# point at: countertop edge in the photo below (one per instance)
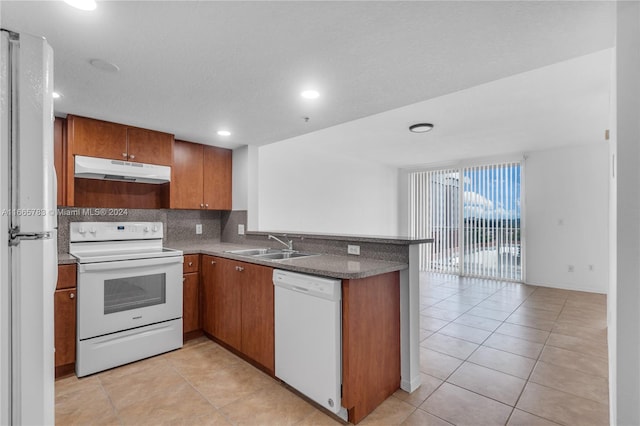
(353, 238)
(374, 267)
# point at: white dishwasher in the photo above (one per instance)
(308, 336)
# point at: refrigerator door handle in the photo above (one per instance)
(17, 236)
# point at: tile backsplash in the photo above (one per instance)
(179, 225)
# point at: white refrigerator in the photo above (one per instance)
(28, 244)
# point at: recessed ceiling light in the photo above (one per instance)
(310, 94)
(224, 133)
(421, 128)
(82, 4)
(56, 95)
(104, 65)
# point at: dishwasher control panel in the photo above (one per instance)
(327, 288)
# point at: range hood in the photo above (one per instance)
(124, 171)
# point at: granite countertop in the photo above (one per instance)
(65, 259)
(327, 265)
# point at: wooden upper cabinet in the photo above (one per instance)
(148, 146)
(59, 158)
(201, 177)
(96, 138)
(187, 176)
(217, 178)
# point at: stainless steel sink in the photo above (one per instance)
(251, 252)
(284, 255)
(271, 254)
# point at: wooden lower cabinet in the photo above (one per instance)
(191, 297)
(64, 308)
(370, 342)
(190, 303)
(238, 307)
(257, 315)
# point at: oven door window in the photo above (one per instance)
(124, 294)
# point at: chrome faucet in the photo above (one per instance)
(288, 244)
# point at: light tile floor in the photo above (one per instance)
(492, 353)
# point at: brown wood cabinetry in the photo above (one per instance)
(59, 157)
(64, 302)
(208, 271)
(257, 315)
(370, 342)
(217, 178)
(191, 296)
(97, 138)
(201, 177)
(238, 307)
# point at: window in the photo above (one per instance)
(473, 216)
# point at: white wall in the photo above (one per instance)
(566, 217)
(625, 354)
(303, 187)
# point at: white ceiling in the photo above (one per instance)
(563, 104)
(191, 67)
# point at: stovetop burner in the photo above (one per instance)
(92, 242)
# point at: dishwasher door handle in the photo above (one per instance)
(295, 287)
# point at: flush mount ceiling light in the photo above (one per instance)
(224, 133)
(310, 94)
(56, 95)
(82, 4)
(104, 65)
(421, 128)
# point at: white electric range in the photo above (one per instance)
(129, 289)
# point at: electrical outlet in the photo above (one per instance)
(199, 229)
(240, 229)
(353, 249)
(570, 268)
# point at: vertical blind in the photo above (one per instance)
(473, 216)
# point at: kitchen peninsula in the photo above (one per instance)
(380, 301)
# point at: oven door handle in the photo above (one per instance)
(138, 263)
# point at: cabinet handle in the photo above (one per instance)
(124, 154)
(239, 268)
(206, 205)
(190, 263)
(213, 262)
(201, 205)
(72, 295)
(132, 157)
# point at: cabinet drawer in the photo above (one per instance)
(66, 276)
(191, 263)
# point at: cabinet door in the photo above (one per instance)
(59, 159)
(64, 304)
(186, 179)
(217, 178)
(96, 138)
(208, 270)
(190, 309)
(148, 146)
(257, 314)
(227, 303)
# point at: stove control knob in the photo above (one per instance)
(155, 228)
(93, 230)
(81, 230)
(146, 229)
